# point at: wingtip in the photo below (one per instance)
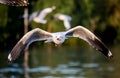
(9, 59)
(110, 54)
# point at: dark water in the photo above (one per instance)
(63, 61)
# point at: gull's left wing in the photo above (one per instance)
(15, 2)
(88, 36)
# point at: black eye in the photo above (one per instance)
(15, 2)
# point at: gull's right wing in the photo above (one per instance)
(32, 36)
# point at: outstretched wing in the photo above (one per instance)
(32, 36)
(65, 18)
(67, 24)
(89, 37)
(45, 12)
(33, 15)
(15, 2)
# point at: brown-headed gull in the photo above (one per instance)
(58, 38)
(39, 17)
(65, 18)
(15, 2)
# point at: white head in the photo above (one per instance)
(58, 38)
(53, 7)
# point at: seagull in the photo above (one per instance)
(58, 38)
(39, 17)
(15, 2)
(65, 18)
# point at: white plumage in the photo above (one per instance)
(39, 17)
(65, 18)
(58, 38)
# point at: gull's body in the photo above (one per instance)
(58, 38)
(15, 2)
(39, 17)
(65, 18)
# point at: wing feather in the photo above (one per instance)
(88, 36)
(32, 36)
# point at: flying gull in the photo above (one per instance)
(58, 38)
(15, 2)
(39, 17)
(65, 18)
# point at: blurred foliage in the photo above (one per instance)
(100, 16)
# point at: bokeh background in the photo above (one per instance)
(75, 58)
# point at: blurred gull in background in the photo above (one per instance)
(65, 18)
(39, 17)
